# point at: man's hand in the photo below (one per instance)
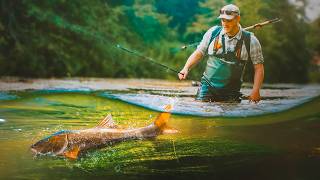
(192, 60)
(255, 97)
(258, 78)
(183, 74)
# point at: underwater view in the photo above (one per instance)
(160, 89)
(281, 144)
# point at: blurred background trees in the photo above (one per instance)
(60, 38)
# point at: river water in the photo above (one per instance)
(278, 138)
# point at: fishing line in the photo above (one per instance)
(174, 151)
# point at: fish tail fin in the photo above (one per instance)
(162, 120)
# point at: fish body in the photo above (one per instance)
(70, 143)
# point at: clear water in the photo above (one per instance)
(283, 145)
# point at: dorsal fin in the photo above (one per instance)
(107, 122)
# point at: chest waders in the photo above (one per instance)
(222, 78)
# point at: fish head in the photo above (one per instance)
(54, 145)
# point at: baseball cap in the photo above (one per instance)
(229, 11)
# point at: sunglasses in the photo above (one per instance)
(227, 20)
(228, 12)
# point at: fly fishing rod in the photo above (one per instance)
(147, 58)
(255, 26)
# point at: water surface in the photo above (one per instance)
(281, 145)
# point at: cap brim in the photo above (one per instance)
(224, 16)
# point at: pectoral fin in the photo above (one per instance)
(73, 153)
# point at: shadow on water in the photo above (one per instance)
(283, 145)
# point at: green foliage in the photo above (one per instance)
(287, 57)
(58, 38)
(206, 18)
(313, 38)
(180, 12)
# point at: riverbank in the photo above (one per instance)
(185, 87)
(19, 84)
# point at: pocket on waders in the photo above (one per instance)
(221, 74)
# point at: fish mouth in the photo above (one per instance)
(34, 151)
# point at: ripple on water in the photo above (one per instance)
(188, 106)
(6, 96)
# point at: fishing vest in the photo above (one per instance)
(225, 71)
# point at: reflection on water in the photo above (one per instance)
(282, 146)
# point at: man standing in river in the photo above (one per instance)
(228, 47)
